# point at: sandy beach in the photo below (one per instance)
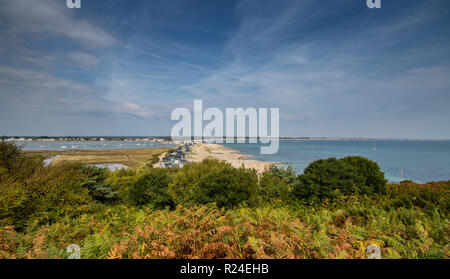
(207, 150)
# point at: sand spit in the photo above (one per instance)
(207, 150)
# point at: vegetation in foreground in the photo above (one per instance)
(212, 210)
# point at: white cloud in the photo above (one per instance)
(133, 109)
(152, 54)
(51, 17)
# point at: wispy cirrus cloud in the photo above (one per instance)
(84, 60)
(354, 72)
(51, 17)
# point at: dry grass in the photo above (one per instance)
(131, 157)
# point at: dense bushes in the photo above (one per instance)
(96, 184)
(151, 188)
(31, 193)
(209, 181)
(373, 178)
(326, 179)
(28, 189)
(276, 185)
(121, 181)
(334, 210)
(329, 178)
(13, 163)
(432, 198)
(212, 181)
(305, 232)
(46, 195)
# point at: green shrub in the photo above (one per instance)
(16, 203)
(16, 164)
(276, 184)
(96, 183)
(328, 179)
(121, 181)
(61, 189)
(212, 181)
(50, 193)
(430, 197)
(373, 178)
(151, 188)
(28, 190)
(96, 246)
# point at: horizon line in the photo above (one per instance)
(281, 137)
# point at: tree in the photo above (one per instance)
(96, 183)
(276, 184)
(151, 188)
(328, 178)
(374, 181)
(13, 162)
(213, 181)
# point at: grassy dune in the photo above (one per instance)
(131, 157)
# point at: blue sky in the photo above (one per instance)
(334, 67)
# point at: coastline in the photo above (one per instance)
(220, 152)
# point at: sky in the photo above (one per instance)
(334, 68)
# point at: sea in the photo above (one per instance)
(88, 144)
(417, 160)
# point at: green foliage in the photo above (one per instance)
(276, 185)
(328, 179)
(44, 209)
(121, 181)
(15, 164)
(373, 178)
(151, 188)
(16, 203)
(96, 246)
(96, 183)
(433, 198)
(212, 181)
(285, 232)
(50, 193)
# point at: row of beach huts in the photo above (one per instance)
(177, 158)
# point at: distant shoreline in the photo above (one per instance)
(168, 138)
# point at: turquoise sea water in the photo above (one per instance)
(421, 161)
